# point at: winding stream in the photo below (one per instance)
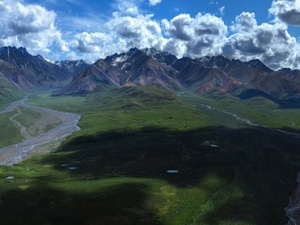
(18, 152)
(250, 123)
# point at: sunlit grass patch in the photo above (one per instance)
(9, 133)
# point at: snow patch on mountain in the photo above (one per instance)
(120, 59)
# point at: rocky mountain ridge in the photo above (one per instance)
(29, 72)
(150, 67)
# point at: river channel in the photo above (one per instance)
(18, 152)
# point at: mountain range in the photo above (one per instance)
(29, 72)
(150, 67)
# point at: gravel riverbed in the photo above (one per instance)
(18, 152)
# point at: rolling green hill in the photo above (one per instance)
(8, 92)
(148, 156)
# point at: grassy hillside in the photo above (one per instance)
(146, 156)
(258, 109)
(8, 92)
(9, 133)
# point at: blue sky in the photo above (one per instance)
(71, 29)
(102, 9)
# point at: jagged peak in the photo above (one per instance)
(151, 51)
(259, 64)
(161, 56)
(133, 52)
(13, 48)
(217, 57)
(75, 62)
(255, 62)
(134, 49)
(24, 50)
(219, 62)
(42, 58)
(117, 59)
(288, 71)
(285, 70)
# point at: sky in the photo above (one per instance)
(268, 30)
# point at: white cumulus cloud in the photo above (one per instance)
(34, 27)
(195, 37)
(287, 11)
(270, 43)
(30, 25)
(121, 33)
(154, 2)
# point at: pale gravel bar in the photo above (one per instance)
(18, 152)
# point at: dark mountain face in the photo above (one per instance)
(256, 63)
(134, 67)
(243, 71)
(14, 75)
(219, 73)
(139, 68)
(37, 71)
(10, 81)
(205, 74)
(99, 76)
(280, 83)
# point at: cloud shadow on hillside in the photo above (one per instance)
(259, 162)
